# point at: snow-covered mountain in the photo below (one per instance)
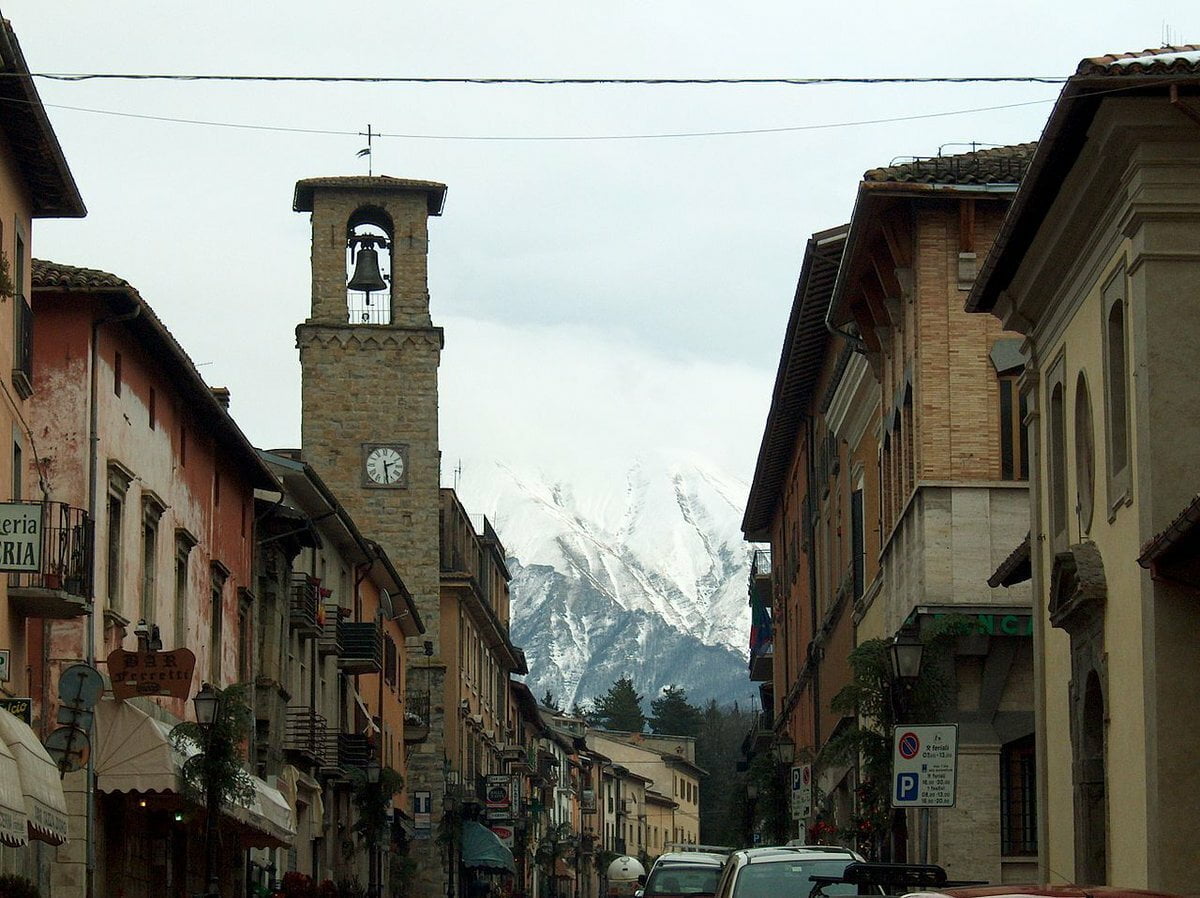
(640, 571)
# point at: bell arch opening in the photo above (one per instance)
(369, 266)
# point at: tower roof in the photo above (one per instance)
(435, 193)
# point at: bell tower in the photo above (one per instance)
(369, 356)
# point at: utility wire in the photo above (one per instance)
(824, 126)
(414, 79)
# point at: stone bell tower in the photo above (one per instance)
(369, 358)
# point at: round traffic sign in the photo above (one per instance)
(909, 745)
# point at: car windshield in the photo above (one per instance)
(790, 878)
(683, 880)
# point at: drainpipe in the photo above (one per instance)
(93, 501)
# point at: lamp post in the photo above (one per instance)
(373, 772)
(207, 703)
(906, 652)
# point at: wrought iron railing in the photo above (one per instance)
(416, 717)
(362, 647)
(307, 733)
(304, 606)
(329, 642)
(60, 561)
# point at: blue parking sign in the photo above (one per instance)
(908, 786)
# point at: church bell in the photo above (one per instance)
(366, 275)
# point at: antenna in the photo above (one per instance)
(457, 474)
(366, 151)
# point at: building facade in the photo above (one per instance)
(35, 183)
(130, 431)
(1096, 265)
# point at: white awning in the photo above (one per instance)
(13, 827)
(41, 782)
(135, 753)
(269, 818)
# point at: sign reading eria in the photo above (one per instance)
(924, 762)
(20, 536)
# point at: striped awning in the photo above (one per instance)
(43, 805)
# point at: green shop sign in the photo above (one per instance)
(1000, 624)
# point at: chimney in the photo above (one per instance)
(221, 394)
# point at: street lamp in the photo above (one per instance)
(373, 771)
(906, 650)
(207, 703)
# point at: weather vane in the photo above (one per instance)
(366, 151)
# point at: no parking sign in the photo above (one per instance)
(924, 766)
(801, 791)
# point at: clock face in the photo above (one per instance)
(384, 465)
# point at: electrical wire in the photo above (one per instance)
(511, 80)
(731, 132)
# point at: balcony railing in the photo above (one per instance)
(304, 608)
(345, 752)
(329, 642)
(22, 372)
(307, 734)
(416, 718)
(362, 648)
(59, 581)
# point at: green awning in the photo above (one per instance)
(482, 849)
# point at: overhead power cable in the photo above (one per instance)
(823, 126)
(500, 80)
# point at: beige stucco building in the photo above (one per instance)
(1097, 265)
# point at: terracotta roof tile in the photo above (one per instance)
(995, 165)
(1182, 60)
(68, 277)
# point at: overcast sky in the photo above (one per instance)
(598, 295)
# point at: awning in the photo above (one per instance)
(135, 753)
(45, 807)
(268, 821)
(14, 830)
(482, 849)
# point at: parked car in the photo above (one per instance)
(683, 874)
(786, 871)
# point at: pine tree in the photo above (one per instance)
(672, 714)
(619, 709)
(549, 702)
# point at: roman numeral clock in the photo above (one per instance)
(385, 465)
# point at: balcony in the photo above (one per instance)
(416, 718)
(329, 642)
(307, 735)
(304, 605)
(345, 752)
(50, 577)
(762, 663)
(362, 648)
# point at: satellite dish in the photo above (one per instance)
(385, 604)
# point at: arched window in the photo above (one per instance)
(369, 266)
(1085, 456)
(1116, 389)
(1058, 465)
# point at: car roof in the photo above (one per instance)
(705, 858)
(1061, 890)
(792, 852)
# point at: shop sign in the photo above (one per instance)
(498, 796)
(20, 536)
(19, 707)
(504, 834)
(151, 673)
